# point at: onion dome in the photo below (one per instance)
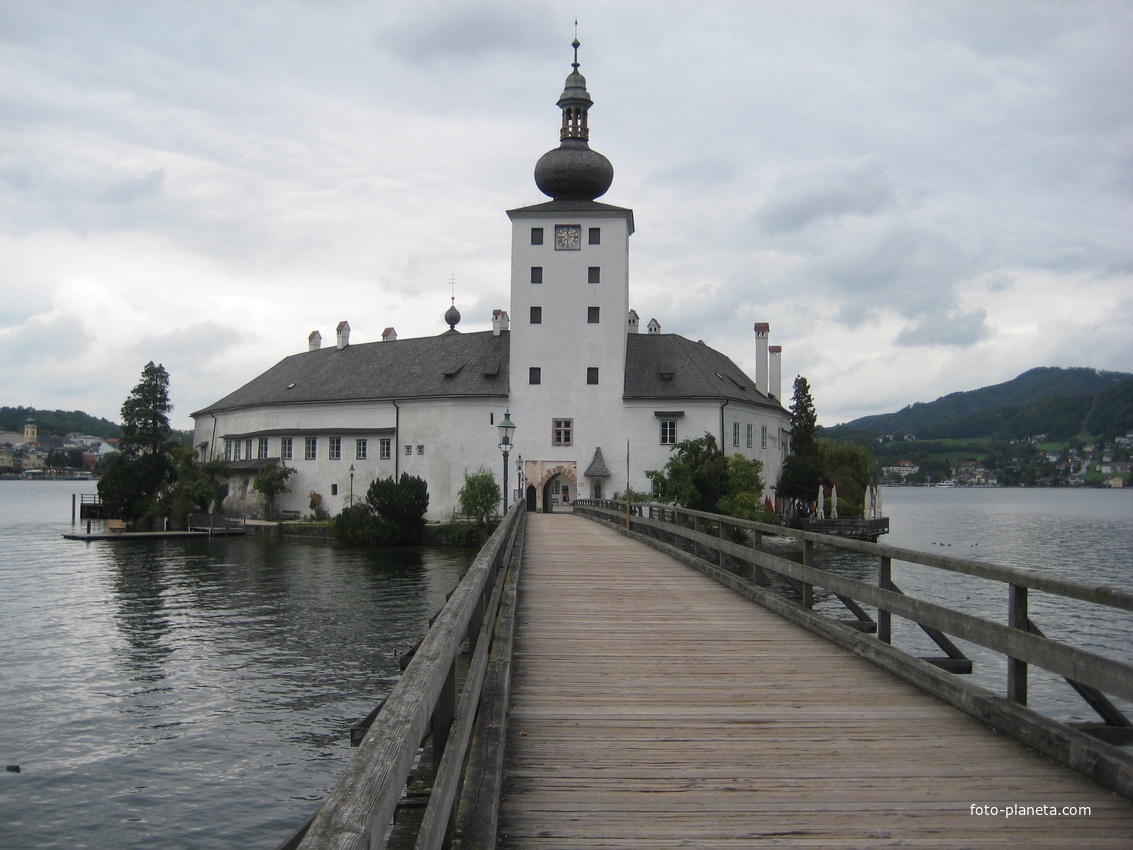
(452, 315)
(572, 171)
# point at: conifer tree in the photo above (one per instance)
(802, 472)
(143, 468)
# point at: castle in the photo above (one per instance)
(595, 401)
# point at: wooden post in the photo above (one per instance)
(721, 532)
(1017, 619)
(443, 715)
(885, 582)
(808, 561)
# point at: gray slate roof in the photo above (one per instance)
(447, 366)
(456, 365)
(697, 371)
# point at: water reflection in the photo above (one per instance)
(151, 685)
(138, 586)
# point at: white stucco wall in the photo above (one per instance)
(445, 438)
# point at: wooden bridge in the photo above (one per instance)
(615, 697)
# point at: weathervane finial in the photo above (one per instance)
(575, 45)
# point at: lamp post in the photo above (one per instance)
(351, 485)
(506, 427)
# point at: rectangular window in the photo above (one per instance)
(285, 448)
(595, 236)
(668, 432)
(228, 450)
(763, 436)
(534, 375)
(536, 315)
(360, 449)
(248, 449)
(236, 450)
(409, 450)
(562, 432)
(420, 450)
(536, 274)
(334, 489)
(385, 448)
(591, 374)
(536, 236)
(592, 314)
(750, 431)
(736, 434)
(309, 448)
(262, 448)
(594, 274)
(335, 452)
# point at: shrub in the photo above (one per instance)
(392, 514)
(480, 496)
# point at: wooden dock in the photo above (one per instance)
(652, 707)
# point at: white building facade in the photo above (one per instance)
(596, 403)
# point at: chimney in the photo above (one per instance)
(762, 329)
(632, 321)
(389, 335)
(314, 341)
(654, 326)
(343, 331)
(776, 352)
(500, 321)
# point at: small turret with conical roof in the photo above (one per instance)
(572, 171)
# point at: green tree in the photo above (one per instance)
(271, 481)
(199, 488)
(744, 496)
(802, 472)
(695, 476)
(852, 468)
(804, 419)
(143, 470)
(701, 477)
(145, 415)
(480, 496)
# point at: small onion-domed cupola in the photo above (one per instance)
(573, 172)
(452, 315)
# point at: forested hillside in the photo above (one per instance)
(1060, 403)
(56, 423)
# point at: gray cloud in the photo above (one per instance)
(955, 328)
(872, 174)
(825, 192)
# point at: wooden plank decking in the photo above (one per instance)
(653, 708)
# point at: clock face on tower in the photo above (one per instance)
(568, 237)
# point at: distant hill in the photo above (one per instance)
(1060, 403)
(56, 423)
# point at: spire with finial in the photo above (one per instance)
(573, 171)
(452, 315)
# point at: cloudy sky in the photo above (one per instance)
(920, 197)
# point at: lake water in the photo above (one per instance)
(188, 694)
(1084, 534)
(197, 694)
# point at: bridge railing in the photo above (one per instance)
(732, 551)
(426, 701)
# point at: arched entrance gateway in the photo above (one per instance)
(557, 487)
